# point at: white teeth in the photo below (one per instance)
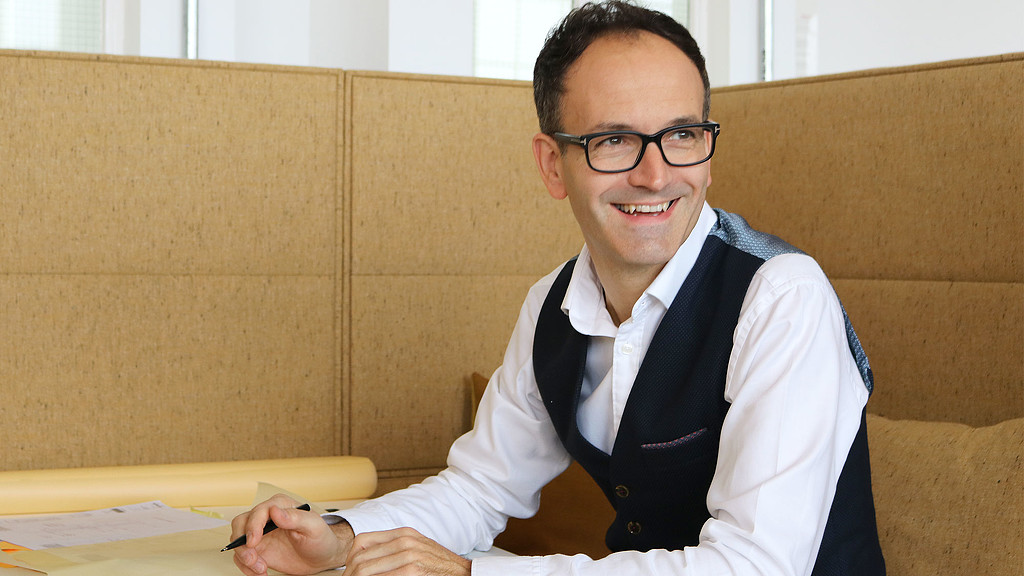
(643, 208)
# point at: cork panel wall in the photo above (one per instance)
(416, 339)
(951, 351)
(444, 181)
(141, 369)
(901, 173)
(168, 287)
(450, 225)
(127, 166)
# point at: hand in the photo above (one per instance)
(302, 544)
(403, 552)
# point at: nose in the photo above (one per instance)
(652, 171)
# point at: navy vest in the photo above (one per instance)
(664, 456)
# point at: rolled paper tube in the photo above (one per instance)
(182, 485)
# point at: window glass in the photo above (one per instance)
(64, 25)
(509, 35)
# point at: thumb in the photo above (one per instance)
(290, 519)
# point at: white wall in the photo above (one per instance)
(729, 33)
(326, 33)
(431, 37)
(398, 35)
(264, 32)
(217, 30)
(876, 33)
(845, 35)
(156, 38)
(350, 34)
(144, 27)
(254, 31)
(436, 36)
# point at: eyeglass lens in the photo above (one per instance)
(622, 150)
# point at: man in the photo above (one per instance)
(703, 373)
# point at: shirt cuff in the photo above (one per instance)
(361, 521)
(505, 565)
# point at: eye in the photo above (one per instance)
(681, 135)
(608, 141)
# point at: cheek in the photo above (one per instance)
(699, 180)
(582, 208)
(585, 187)
(704, 173)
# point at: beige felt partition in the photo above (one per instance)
(904, 173)
(949, 351)
(450, 225)
(907, 185)
(204, 261)
(168, 264)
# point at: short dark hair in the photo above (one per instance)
(580, 28)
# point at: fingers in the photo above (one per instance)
(376, 544)
(251, 523)
(302, 544)
(402, 551)
(249, 562)
(305, 544)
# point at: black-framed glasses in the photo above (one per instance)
(622, 150)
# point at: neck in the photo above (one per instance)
(622, 289)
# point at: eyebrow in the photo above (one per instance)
(617, 126)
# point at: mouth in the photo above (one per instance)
(644, 208)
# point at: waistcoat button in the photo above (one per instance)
(621, 491)
(633, 527)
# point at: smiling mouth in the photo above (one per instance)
(644, 208)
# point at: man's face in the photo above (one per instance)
(642, 83)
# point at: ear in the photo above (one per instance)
(549, 161)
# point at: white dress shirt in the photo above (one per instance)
(795, 397)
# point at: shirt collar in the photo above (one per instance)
(584, 297)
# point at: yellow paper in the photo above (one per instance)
(9, 570)
(183, 485)
(9, 565)
(194, 553)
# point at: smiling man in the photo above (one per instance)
(703, 373)
(635, 209)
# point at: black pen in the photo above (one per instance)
(240, 541)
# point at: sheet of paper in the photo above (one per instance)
(196, 552)
(10, 566)
(265, 490)
(96, 526)
(193, 552)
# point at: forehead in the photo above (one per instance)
(637, 81)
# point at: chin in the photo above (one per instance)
(641, 258)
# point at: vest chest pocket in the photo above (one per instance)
(668, 459)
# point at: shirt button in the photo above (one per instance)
(621, 491)
(633, 527)
(627, 348)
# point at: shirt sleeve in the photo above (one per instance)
(494, 471)
(796, 399)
